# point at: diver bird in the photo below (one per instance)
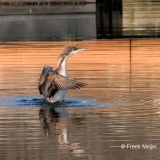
(53, 84)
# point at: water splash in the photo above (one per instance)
(38, 101)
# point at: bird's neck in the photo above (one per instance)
(62, 66)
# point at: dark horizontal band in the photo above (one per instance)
(42, 3)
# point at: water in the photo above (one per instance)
(120, 105)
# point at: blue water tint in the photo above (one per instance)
(38, 101)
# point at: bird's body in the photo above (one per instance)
(53, 84)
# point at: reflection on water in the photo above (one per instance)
(121, 104)
(56, 121)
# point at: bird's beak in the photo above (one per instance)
(79, 50)
(82, 49)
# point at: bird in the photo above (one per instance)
(53, 84)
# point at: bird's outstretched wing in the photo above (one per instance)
(42, 78)
(54, 81)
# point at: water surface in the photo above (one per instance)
(120, 105)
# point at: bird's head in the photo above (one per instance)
(70, 51)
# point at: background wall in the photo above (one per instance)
(141, 18)
(55, 22)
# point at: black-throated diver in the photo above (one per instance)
(53, 84)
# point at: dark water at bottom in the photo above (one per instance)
(81, 128)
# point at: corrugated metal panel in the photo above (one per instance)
(47, 27)
(141, 18)
(55, 22)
